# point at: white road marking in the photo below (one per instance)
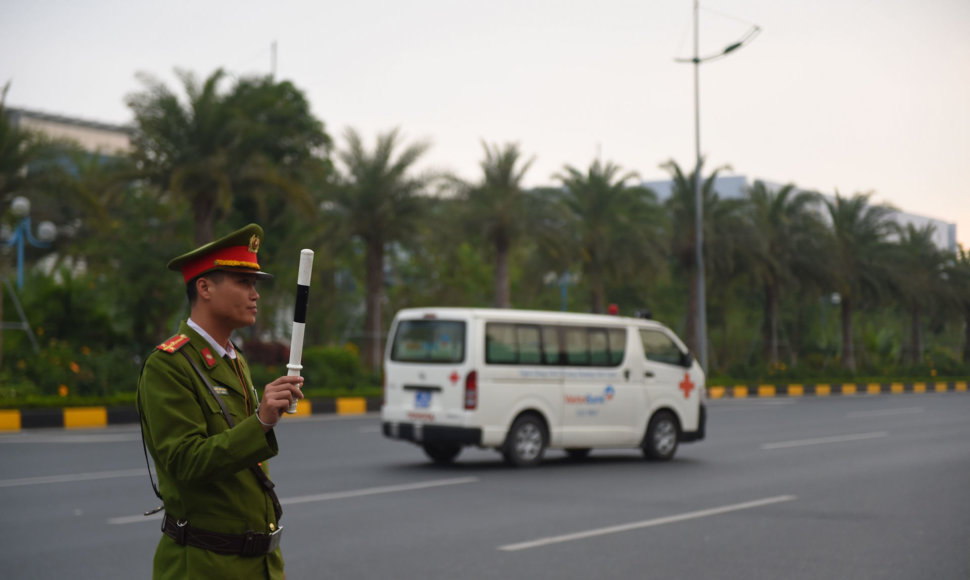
(377, 490)
(646, 523)
(885, 412)
(825, 440)
(329, 496)
(73, 477)
(79, 438)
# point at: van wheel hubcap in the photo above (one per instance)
(665, 437)
(528, 442)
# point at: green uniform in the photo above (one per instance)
(202, 464)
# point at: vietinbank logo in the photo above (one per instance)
(592, 399)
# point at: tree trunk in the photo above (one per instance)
(2, 294)
(501, 288)
(374, 291)
(848, 352)
(915, 344)
(771, 325)
(204, 210)
(692, 310)
(966, 338)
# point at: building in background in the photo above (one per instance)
(94, 137)
(735, 186)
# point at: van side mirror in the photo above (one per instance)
(686, 359)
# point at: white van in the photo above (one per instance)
(523, 381)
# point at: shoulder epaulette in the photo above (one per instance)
(173, 344)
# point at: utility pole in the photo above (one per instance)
(701, 327)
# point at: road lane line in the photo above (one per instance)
(90, 438)
(885, 412)
(825, 440)
(377, 490)
(646, 523)
(72, 477)
(329, 496)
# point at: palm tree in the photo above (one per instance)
(499, 206)
(379, 202)
(859, 264)
(186, 150)
(219, 146)
(919, 281)
(958, 283)
(785, 230)
(681, 209)
(611, 228)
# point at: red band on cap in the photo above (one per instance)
(234, 256)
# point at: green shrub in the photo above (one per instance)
(331, 368)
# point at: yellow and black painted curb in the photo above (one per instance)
(833, 389)
(88, 417)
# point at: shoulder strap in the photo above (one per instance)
(144, 447)
(257, 471)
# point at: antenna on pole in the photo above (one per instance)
(272, 64)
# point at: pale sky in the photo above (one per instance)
(847, 95)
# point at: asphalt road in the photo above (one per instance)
(848, 487)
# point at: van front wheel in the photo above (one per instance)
(441, 453)
(661, 440)
(526, 442)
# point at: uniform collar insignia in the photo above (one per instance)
(210, 360)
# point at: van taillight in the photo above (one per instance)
(471, 391)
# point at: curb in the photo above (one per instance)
(833, 389)
(88, 417)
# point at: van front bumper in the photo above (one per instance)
(690, 436)
(422, 433)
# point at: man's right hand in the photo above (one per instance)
(277, 397)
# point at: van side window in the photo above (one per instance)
(551, 351)
(530, 345)
(599, 347)
(577, 346)
(500, 345)
(658, 347)
(617, 345)
(539, 344)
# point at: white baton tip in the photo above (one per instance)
(306, 264)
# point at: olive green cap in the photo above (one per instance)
(235, 252)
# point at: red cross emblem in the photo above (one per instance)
(686, 385)
(454, 377)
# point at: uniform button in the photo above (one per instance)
(272, 526)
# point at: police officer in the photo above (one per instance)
(207, 429)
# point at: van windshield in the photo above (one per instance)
(431, 341)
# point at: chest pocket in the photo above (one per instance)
(234, 402)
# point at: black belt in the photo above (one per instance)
(248, 544)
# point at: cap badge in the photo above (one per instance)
(254, 243)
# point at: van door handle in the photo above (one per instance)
(648, 374)
(626, 374)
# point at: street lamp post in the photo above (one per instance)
(21, 235)
(46, 232)
(698, 197)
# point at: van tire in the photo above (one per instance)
(662, 436)
(526, 442)
(441, 453)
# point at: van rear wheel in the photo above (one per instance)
(441, 453)
(526, 442)
(662, 434)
